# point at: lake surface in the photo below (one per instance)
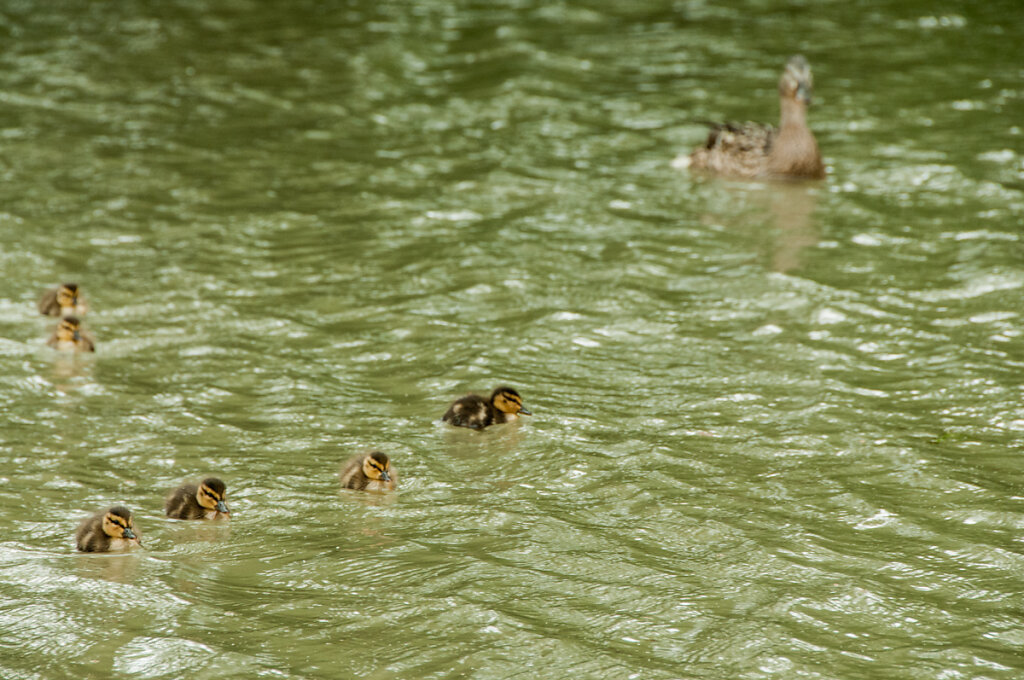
(777, 428)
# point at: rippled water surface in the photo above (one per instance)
(777, 428)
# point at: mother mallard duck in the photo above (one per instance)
(755, 150)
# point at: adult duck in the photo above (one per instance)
(758, 151)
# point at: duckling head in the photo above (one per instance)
(211, 494)
(69, 329)
(375, 466)
(117, 523)
(67, 295)
(796, 81)
(508, 400)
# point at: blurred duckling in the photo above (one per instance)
(69, 337)
(369, 472)
(205, 500)
(477, 412)
(64, 300)
(754, 150)
(108, 530)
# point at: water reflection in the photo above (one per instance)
(206, 531)
(791, 207)
(369, 498)
(777, 217)
(70, 371)
(463, 442)
(114, 567)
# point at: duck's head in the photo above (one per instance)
(117, 523)
(796, 81)
(375, 466)
(69, 329)
(67, 295)
(508, 400)
(211, 494)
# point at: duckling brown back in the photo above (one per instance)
(471, 411)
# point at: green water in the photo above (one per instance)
(777, 429)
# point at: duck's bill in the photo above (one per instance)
(524, 412)
(222, 507)
(803, 93)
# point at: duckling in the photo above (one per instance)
(69, 336)
(204, 500)
(753, 150)
(369, 472)
(107, 530)
(477, 412)
(64, 300)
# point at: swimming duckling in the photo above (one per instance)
(369, 472)
(477, 412)
(754, 150)
(70, 337)
(64, 300)
(204, 500)
(107, 530)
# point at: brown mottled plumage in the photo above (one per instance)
(69, 336)
(369, 472)
(205, 500)
(477, 412)
(753, 150)
(64, 300)
(108, 530)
